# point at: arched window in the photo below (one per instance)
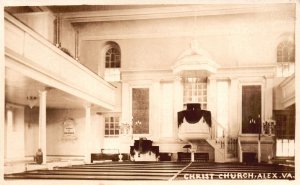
(112, 57)
(286, 52)
(285, 58)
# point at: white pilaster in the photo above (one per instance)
(268, 99)
(126, 117)
(233, 126)
(9, 130)
(156, 110)
(178, 101)
(42, 124)
(88, 141)
(212, 103)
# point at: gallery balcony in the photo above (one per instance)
(32, 55)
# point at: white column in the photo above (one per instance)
(88, 141)
(42, 124)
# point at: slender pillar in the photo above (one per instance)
(87, 154)
(42, 124)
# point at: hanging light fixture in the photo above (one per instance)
(32, 96)
(32, 101)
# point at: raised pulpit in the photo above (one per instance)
(193, 114)
(194, 123)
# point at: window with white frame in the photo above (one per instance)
(112, 127)
(285, 58)
(195, 91)
(112, 62)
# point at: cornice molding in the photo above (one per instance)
(173, 12)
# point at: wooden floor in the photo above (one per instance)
(160, 171)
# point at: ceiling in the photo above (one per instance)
(84, 8)
(78, 8)
(18, 87)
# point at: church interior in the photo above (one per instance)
(149, 92)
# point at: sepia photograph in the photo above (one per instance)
(99, 92)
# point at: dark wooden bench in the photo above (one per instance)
(199, 157)
(104, 156)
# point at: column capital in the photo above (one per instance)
(42, 92)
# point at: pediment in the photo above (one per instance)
(194, 61)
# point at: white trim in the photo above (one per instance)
(172, 12)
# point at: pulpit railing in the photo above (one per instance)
(226, 142)
(219, 133)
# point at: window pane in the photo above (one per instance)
(106, 132)
(285, 147)
(111, 119)
(116, 132)
(111, 132)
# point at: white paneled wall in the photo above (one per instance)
(166, 126)
(222, 104)
(15, 147)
